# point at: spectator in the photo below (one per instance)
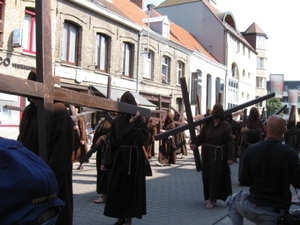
(263, 172)
(89, 133)
(28, 191)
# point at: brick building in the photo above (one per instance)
(140, 50)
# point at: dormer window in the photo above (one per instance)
(159, 24)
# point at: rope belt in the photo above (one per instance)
(216, 148)
(130, 152)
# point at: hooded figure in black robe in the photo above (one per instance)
(217, 153)
(126, 191)
(61, 146)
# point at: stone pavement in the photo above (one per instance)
(174, 196)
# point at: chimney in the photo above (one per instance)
(139, 3)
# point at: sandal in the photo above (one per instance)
(100, 200)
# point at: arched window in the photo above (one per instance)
(127, 59)
(70, 43)
(165, 70)
(148, 64)
(1, 21)
(29, 40)
(102, 52)
(180, 71)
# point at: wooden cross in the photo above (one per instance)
(44, 90)
(189, 115)
(192, 124)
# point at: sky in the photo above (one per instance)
(278, 19)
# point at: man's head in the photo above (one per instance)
(275, 127)
(28, 187)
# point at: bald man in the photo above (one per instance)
(263, 172)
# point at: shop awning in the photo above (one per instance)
(116, 95)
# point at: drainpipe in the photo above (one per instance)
(226, 74)
(138, 60)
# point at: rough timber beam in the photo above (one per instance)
(189, 115)
(28, 88)
(44, 67)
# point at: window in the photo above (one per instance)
(166, 29)
(261, 42)
(220, 89)
(102, 50)
(235, 45)
(285, 99)
(1, 9)
(1, 21)
(235, 71)
(260, 62)
(165, 70)
(209, 99)
(196, 86)
(260, 82)
(180, 71)
(127, 67)
(29, 44)
(148, 64)
(179, 104)
(232, 93)
(70, 43)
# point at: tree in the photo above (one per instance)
(273, 104)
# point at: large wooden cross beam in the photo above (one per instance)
(28, 88)
(189, 115)
(44, 90)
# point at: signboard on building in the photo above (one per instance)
(276, 84)
(17, 37)
(293, 96)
